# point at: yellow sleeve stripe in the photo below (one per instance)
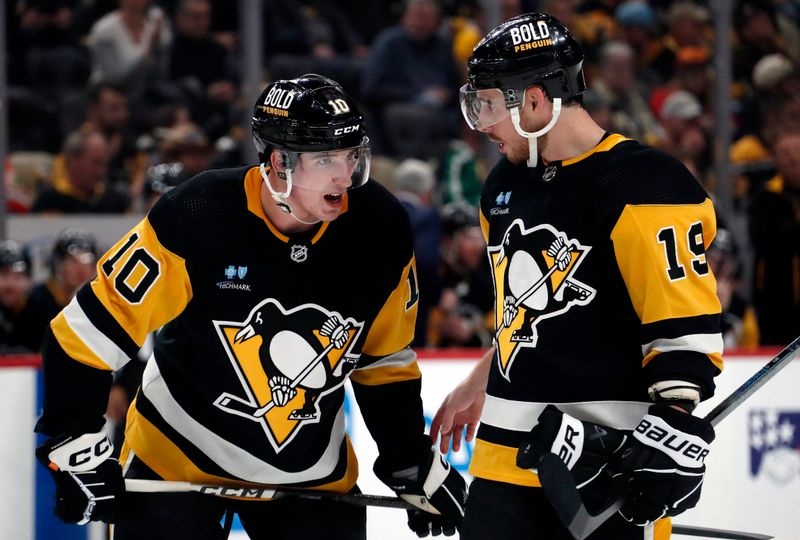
(499, 463)
(393, 328)
(164, 300)
(643, 263)
(709, 344)
(104, 348)
(75, 347)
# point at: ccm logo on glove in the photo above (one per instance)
(82, 453)
(686, 450)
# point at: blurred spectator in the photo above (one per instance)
(751, 153)
(15, 315)
(757, 35)
(738, 324)
(46, 52)
(313, 36)
(687, 137)
(83, 188)
(185, 152)
(638, 28)
(201, 67)
(616, 83)
(594, 25)
(775, 231)
(128, 45)
(692, 74)
(108, 113)
(687, 26)
(413, 183)
(462, 317)
(563, 10)
(72, 263)
(411, 78)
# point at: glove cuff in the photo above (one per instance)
(75, 452)
(688, 423)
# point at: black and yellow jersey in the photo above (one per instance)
(601, 287)
(260, 332)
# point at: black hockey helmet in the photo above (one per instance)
(309, 114)
(14, 256)
(77, 242)
(533, 48)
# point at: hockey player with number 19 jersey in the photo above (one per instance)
(607, 321)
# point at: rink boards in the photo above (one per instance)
(753, 480)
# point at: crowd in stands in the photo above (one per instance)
(113, 102)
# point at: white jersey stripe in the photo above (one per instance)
(102, 346)
(702, 343)
(232, 459)
(522, 415)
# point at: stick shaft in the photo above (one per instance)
(263, 493)
(729, 404)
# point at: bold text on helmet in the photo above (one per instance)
(527, 32)
(277, 97)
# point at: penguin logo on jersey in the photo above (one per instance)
(286, 360)
(533, 273)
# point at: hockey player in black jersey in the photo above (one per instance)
(272, 285)
(607, 321)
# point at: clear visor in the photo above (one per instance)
(330, 171)
(482, 108)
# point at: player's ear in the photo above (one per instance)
(277, 161)
(535, 97)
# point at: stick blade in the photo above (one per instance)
(560, 489)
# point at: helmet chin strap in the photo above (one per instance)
(532, 147)
(281, 199)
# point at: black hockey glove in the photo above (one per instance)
(435, 487)
(585, 447)
(665, 462)
(88, 481)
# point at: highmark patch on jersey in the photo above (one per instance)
(286, 359)
(533, 271)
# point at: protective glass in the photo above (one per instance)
(329, 170)
(482, 108)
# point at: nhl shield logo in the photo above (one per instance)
(299, 253)
(549, 173)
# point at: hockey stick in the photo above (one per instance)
(705, 532)
(559, 485)
(360, 499)
(252, 412)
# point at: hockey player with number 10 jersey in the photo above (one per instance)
(274, 285)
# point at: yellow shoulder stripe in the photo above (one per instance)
(605, 145)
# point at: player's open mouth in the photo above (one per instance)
(333, 198)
